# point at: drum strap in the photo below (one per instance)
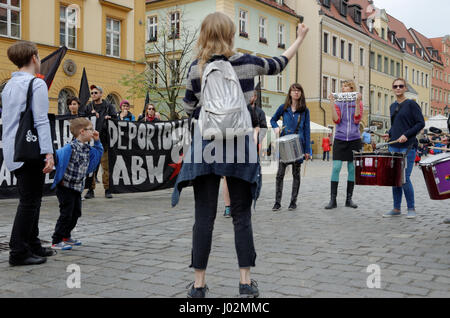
(397, 110)
(298, 123)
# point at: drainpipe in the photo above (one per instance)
(370, 85)
(320, 77)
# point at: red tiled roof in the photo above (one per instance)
(426, 42)
(402, 32)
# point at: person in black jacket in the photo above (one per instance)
(104, 111)
(73, 103)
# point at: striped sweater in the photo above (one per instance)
(246, 66)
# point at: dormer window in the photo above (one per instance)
(414, 49)
(343, 8)
(326, 3)
(403, 44)
(357, 16)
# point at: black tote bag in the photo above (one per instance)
(26, 146)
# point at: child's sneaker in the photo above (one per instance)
(71, 241)
(61, 246)
(227, 212)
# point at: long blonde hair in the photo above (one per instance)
(216, 37)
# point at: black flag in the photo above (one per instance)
(84, 89)
(147, 101)
(50, 64)
(258, 101)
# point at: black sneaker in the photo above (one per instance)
(89, 195)
(249, 290)
(276, 207)
(196, 292)
(292, 207)
(31, 260)
(108, 194)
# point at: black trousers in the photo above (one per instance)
(326, 154)
(206, 192)
(295, 183)
(69, 213)
(25, 231)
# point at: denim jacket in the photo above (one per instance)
(290, 122)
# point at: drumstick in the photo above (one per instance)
(378, 146)
(437, 148)
(304, 170)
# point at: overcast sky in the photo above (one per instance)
(429, 17)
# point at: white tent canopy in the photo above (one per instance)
(438, 121)
(315, 128)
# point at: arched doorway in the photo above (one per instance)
(114, 100)
(63, 95)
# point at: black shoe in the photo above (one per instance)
(108, 194)
(447, 221)
(31, 260)
(249, 290)
(89, 195)
(276, 207)
(292, 206)
(196, 292)
(45, 252)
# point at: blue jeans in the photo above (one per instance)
(407, 188)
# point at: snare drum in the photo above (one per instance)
(290, 148)
(436, 171)
(386, 169)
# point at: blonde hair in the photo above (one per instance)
(77, 124)
(350, 84)
(216, 37)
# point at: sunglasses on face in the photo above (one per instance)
(94, 93)
(398, 86)
(151, 108)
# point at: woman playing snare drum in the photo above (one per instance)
(295, 116)
(346, 116)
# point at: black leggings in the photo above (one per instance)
(206, 192)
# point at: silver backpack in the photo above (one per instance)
(224, 113)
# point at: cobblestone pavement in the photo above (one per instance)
(136, 245)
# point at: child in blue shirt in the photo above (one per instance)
(74, 162)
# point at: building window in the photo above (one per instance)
(326, 3)
(406, 73)
(112, 37)
(417, 78)
(325, 87)
(114, 100)
(281, 36)
(10, 18)
(379, 103)
(413, 76)
(379, 63)
(280, 82)
(386, 65)
(325, 42)
(392, 68)
(372, 60)
(153, 71)
(386, 105)
(361, 57)
(350, 52)
(68, 27)
(262, 30)
(343, 49)
(243, 21)
(334, 85)
(63, 96)
(334, 46)
(422, 78)
(398, 69)
(383, 33)
(153, 29)
(357, 16)
(174, 25)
